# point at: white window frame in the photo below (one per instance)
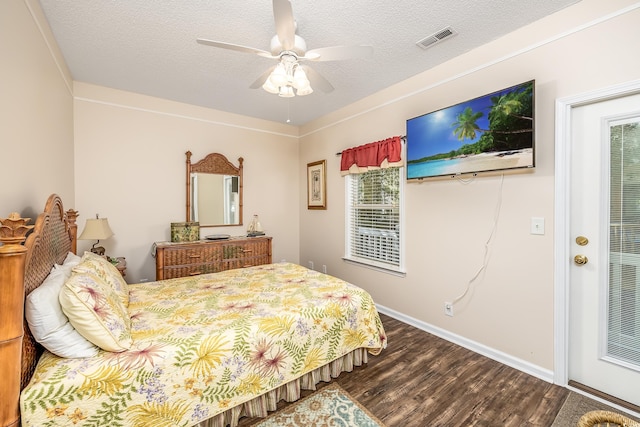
(372, 262)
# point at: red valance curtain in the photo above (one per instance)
(381, 154)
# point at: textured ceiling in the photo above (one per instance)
(149, 46)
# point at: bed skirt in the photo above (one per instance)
(261, 405)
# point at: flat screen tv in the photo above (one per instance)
(494, 132)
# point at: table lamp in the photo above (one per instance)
(96, 229)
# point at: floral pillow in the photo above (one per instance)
(96, 311)
(101, 267)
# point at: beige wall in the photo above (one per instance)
(509, 309)
(130, 167)
(36, 113)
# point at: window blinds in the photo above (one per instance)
(373, 217)
(623, 331)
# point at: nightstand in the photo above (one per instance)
(121, 264)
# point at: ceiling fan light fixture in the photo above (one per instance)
(286, 92)
(288, 78)
(270, 87)
(300, 79)
(279, 76)
(304, 91)
(301, 84)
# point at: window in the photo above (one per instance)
(623, 327)
(374, 218)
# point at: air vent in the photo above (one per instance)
(436, 37)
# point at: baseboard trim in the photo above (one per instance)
(499, 356)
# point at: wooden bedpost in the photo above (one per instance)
(13, 231)
(72, 216)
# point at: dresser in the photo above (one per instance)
(179, 259)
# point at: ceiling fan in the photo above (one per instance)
(290, 50)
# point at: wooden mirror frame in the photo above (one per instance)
(214, 163)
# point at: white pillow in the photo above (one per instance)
(71, 261)
(49, 325)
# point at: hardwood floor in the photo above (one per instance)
(421, 380)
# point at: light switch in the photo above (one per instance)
(537, 225)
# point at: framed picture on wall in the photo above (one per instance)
(316, 185)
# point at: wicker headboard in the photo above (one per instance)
(53, 237)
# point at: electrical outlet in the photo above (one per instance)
(324, 269)
(448, 308)
(311, 265)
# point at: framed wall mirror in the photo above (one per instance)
(214, 191)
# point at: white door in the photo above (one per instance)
(604, 289)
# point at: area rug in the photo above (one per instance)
(577, 405)
(329, 406)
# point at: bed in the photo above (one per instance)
(196, 351)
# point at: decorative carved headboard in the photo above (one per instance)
(22, 269)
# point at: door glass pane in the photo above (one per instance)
(623, 338)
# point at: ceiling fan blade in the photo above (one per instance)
(317, 81)
(263, 78)
(285, 23)
(338, 53)
(236, 47)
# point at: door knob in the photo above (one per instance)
(580, 259)
(582, 241)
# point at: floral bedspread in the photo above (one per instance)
(204, 344)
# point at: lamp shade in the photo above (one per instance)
(269, 87)
(278, 76)
(286, 92)
(96, 229)
(300, 80)
(304, 91)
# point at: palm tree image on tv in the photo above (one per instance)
(490, 133)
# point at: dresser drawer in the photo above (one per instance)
(196, 254)
(175, 259)
(171, 272)
(246, 253)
